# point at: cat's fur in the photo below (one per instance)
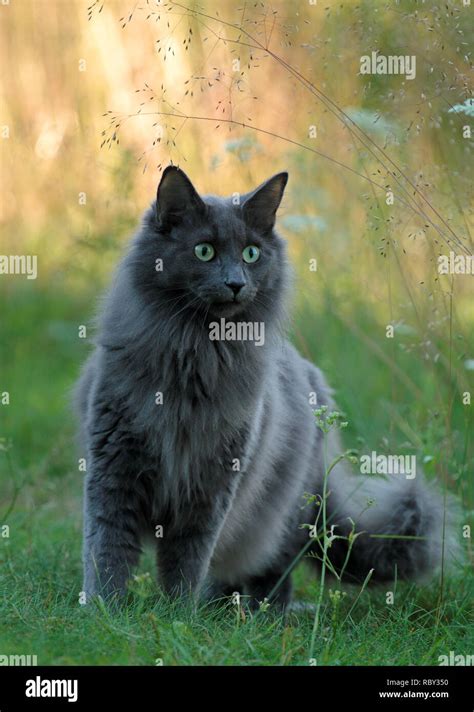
(225, 404)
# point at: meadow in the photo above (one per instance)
(81, 159)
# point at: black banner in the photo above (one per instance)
(82, 688)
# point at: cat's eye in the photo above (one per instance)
(251, 254)
(204, 251)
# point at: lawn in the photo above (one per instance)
(40, 559)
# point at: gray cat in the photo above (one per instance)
(209, 444)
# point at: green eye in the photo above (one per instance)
(251, 253)
(204, 251)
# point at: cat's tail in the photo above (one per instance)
(401, 528)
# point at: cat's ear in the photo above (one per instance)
(259, 207)
(176, 196)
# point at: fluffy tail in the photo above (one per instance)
(405, 528)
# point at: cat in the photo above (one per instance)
(208, 446)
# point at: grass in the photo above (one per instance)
(40, 568)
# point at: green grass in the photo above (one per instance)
(40, 567)
(40, 615)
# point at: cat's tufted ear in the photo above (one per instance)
(176, 197)
(259, 207)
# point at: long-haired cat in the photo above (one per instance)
(210, 444)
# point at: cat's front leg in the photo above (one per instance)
(111, 533)
(186, 549)
(114, 502)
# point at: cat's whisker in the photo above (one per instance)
(176, 299)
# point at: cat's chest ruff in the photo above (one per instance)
(201, 399)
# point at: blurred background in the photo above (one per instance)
(98, 97)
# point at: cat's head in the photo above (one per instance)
(221, 253)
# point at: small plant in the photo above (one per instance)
(327, 422)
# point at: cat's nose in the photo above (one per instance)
(235, 285)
